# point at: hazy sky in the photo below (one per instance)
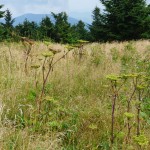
(76, 8)
(19, 7)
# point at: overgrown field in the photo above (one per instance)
(97, 100)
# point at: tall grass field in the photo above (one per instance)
(95, 97)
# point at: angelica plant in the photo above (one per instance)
(49, 57)
(114, 87)
(140, 91)
(28, 47)
(80, 48)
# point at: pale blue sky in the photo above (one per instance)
(76, 8)
(19, 7)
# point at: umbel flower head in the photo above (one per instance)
(48, 54)
(112, 77)
(54, 51)
(36, 66)
(82, 41)
(70, 47)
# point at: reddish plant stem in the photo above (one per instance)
(138, 114)
(113, 111)
(128, 110)
(51, 64)
(59, 59)
(35, 74)
(43, 87)
(43, 69)
(26, 60)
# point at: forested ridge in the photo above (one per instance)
(121, 20)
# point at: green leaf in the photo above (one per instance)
(93, 126)
(54, 124)
(143, 115)
(48, 54)
(141, 140)
(121, 135)
(129, 115)
(112, 77)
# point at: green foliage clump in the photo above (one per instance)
(141, 140)
(113, 77)
(1, 12)
(129, 115)
(31, 95)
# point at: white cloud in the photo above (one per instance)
(83, 5)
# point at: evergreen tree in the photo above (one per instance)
(74, 35)
(46, 28)
(8, 25)
(81, 31)
(97, 28)
(1, 12)
(61, 28)
(1, 28)
(8, 20)
(28, 29)
(125, 19)
(121, 20)
(146, 33)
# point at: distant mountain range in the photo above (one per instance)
(37, 18)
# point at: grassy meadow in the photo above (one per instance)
(97, 100)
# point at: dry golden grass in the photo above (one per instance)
(79, 88)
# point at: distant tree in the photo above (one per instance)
(97, 28)
(61, 27)
(73, 35)
(46, 28)
(28, 29)
(8, 20)
(8, 25)
(81, 30)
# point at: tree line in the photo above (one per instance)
(119, 21)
